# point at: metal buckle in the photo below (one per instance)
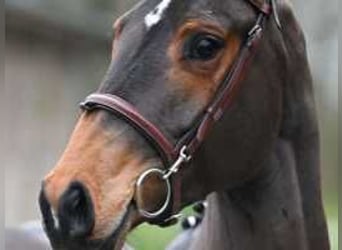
(253, 33)
(183, 158)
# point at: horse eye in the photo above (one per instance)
(203, 47)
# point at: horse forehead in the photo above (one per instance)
(155, 21)
(160, 18)
(152, 12)
(160, 6)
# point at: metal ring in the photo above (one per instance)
(142, 177)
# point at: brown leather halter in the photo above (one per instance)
(174, 156)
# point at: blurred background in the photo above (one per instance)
(56, 54)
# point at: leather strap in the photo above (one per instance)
(128, 112)
(229, 87)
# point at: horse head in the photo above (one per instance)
(172, 62)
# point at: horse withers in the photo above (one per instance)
(202, 98)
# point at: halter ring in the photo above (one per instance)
(143, 176)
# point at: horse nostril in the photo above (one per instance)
(77, 200)
(76, 212)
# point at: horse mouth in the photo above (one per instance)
(59, 241)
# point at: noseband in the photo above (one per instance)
(175, 156)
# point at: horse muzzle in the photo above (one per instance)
(71, 226)
(75, 216)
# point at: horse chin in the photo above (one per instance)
(116, 240)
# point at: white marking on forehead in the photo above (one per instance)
(156, 14)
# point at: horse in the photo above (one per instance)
(203, 99)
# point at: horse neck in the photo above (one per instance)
(283, 208)
(264, 214)
(275, 211)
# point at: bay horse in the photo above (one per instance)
(203, 98)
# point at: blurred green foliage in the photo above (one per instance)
(148, 237)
